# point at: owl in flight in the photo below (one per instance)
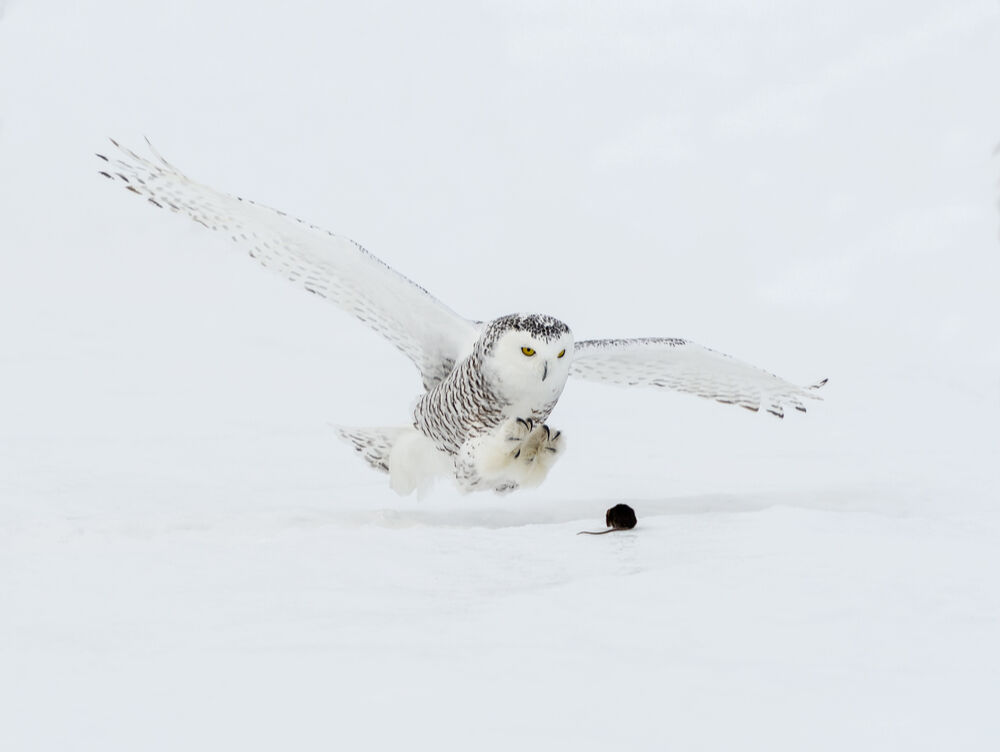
(489, 387)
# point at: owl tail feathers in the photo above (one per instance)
(410, 458)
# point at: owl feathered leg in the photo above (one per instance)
(539, 443)
(536, 456)
(519, 454)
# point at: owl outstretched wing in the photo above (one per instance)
(675, 364)
(330, 266)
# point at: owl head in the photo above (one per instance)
(528, 353)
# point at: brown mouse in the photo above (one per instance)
(618, 518)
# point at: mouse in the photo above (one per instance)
(618, 518)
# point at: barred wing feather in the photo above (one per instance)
(675, 364)
(330, 266)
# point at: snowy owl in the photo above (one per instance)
(489, 386)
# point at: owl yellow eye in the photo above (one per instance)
(528, 351)
(561, 353)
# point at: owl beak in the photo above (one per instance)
(545, 372)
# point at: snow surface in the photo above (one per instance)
(190, 558)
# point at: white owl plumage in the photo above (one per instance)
(489, 387)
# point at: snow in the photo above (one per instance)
(190, 558)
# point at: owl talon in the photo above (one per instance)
(528, 444)
(519, 431)
(551, 443)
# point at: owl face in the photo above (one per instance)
(529, 355)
